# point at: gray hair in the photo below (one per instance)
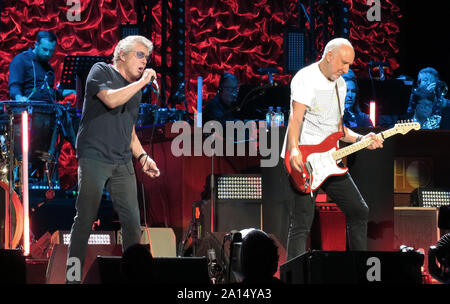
(128, 43)
(334, 44)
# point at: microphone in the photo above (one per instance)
(156, 85)
(154, 82)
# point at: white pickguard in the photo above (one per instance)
(323, 165)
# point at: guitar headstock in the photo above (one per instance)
(405, 127)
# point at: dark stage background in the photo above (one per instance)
(222, 36)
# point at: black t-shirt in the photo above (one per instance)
(31, 78)
(105, 134)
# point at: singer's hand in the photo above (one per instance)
(147, 76)
(149, 167)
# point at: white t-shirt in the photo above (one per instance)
(311, 88)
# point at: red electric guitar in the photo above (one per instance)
(320, 161)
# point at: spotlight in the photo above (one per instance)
(294, 50)
(432, 197)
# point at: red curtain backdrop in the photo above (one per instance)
(377, 41)
(95, 35)
(221, 36)
(234, 36)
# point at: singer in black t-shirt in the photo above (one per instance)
(106, 143)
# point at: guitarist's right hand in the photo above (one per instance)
(295, 159)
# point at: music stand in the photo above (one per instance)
(75, 72)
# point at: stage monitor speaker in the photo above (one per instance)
(185, 270)
(238, 202)
(416, 227)
(230, 216)
(56, 269)
(238, 216)
(354, 267)
(328, 231)
(162, 240)
(12, 267)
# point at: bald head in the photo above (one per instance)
(337, 57)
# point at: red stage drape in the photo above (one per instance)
(221, 36)
(375, 41)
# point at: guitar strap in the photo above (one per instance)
(341, 125)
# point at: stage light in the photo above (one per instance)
(239, 187)
(345, 25)
(432, 197)
(372, 112)
(294, 57)
(25, 197)
(178, 51)
(95, 238)
(128, 30)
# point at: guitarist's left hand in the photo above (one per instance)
(376, 142)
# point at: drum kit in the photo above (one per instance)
(45, 122)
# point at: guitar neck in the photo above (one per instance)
(341, 153)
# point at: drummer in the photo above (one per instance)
(31, 77)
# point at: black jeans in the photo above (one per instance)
(120, 181)
(343, 191)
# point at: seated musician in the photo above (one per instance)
(353, 116)
(222, 107)
(31, 77)
(426, 101)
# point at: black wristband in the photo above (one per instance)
(358, 138)
(142, 155)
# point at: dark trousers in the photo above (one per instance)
(120, 181)
(343, 191)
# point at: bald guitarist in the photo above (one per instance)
(317, 103)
